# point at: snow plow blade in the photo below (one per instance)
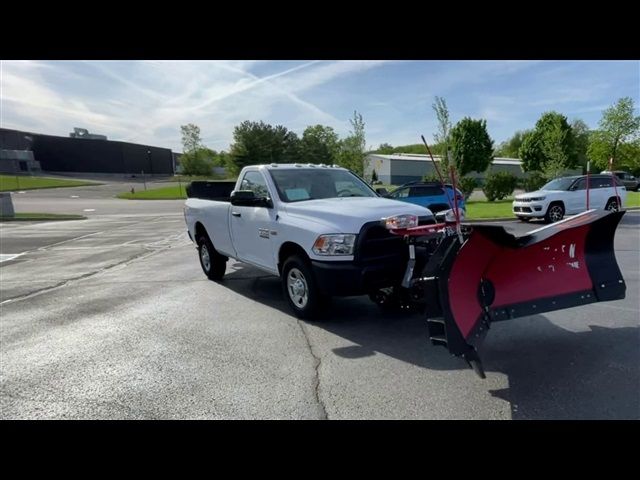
(494, 276)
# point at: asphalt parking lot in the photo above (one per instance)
(111, 317)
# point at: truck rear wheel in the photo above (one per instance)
(612, 205)
(213, 264)
(300, 288)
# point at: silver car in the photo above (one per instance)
(629, 181)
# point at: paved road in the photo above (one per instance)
(94, 201)
(111, 317)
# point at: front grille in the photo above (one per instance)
(522, 209)
(376, 244)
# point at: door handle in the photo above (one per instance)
(236, 214)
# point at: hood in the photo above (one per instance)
(348, 214)
(529, 195)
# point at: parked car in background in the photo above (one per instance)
(427, 194)
(568, 196)
(629, 181)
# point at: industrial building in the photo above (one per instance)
(81, 152)
(400, 168)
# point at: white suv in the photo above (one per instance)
(568, 196)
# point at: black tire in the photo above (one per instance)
(300, 288)
(216, 265)
(555, 212)
(387, 300)
(612, 204)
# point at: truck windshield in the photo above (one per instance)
(296, 185)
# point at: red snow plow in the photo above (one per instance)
(466, 278)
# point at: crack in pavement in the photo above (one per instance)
(317, 364)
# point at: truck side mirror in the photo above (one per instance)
(247, 198)
(382, 191)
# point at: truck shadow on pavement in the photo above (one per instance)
(553, 373)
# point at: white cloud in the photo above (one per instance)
(133, 101)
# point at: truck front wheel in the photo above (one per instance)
(213, 264)
(300, 288)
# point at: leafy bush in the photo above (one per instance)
(533, 182)
(431, 177)
(466, 185)
(499, 185)
(196, 163)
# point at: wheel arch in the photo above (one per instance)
(288, 249)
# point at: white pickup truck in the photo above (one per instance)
(317, 227)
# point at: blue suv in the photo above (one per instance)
(426, 194)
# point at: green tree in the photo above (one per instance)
(319, 144)
(581, 134)
(556, 156)
(196, 158)
(196, 162)
(629, 157)
(550, 147)
(444, 129)
(384, 149)
(530, 152)
(471, 146)
(617, 127)
(352, 150)
(261, 143)
(510, 148)
(191, 140)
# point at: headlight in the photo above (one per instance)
(537, 199)
(401, 221)
(334, 244)
(449, 216)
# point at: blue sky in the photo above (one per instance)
(147, 101)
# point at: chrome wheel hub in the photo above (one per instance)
(205, 258)
(297, 288)
(556, 213)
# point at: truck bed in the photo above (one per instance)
(211, 190)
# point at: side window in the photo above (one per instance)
(426, 191)
(604, 182)
(401, 193)
(255, 181)
(581, 184)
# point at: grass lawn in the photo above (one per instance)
(41, 216)
(10, 183)
(497, 209)
(633, 199)
(175, 192)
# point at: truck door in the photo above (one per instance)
(251, 227)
